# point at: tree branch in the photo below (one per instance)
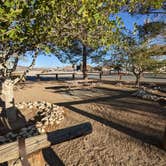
(28, 69)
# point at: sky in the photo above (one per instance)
(53, 62)
(43, 61)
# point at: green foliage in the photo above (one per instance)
(40, 25)
(152, 29)
(144, 7)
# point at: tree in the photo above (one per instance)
(27, 27)
(73, 54)
(140, 52)
(146, 49)
(39, 26)
(139, 56)
(134, 49)
(95, 24)
(143, 59)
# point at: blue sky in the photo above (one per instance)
(43, 61)
(52, 61)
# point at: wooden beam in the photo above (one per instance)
(10, 151)
(164, 139)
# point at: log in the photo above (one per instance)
(10, 151)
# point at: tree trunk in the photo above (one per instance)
(138, 78)
(120, 75)
(84, 59)
(8, 99)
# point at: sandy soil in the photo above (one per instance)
(126, 130)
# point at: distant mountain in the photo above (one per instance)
(67, 68)
(23, 68)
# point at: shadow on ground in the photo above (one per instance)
(114, 99)
(6, 126)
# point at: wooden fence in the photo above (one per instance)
(11, 151)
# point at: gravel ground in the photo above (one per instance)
(126, 130)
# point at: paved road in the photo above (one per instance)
(130, 78)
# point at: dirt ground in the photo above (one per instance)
(126, 130)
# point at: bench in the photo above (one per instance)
(56, 74)
(73, 74)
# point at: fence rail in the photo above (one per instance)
(10, 151)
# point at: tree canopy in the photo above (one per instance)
(43, 26)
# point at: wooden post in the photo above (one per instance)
(56, 76)
(73, 75)
(10, 151)
(120, 76)
(38, 76)
(84, 61)
(100, 75)
(164, 139)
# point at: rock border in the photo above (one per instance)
(48, 114)
(142, 93)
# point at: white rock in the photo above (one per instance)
(35, 134)
(45, 119)
(41, 130)
(22, 133)
(52, 122)
(2, 139)
(43, 113)
(13, 135)
(46, 123)
(57, 122)
(23, 129)
(20, 106)
(31, 132)
(31, 106)
(9, 134)
(10, 140)
(39, 124)
(61, 117)
(30, 127)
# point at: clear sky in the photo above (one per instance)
(43, 61)
(52, 61)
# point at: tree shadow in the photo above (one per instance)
(140, 106)
(153, 140)
(55, 87)
(119, 125)
(51, 157)
(102, 90)
(7, 126)
(115, 100)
